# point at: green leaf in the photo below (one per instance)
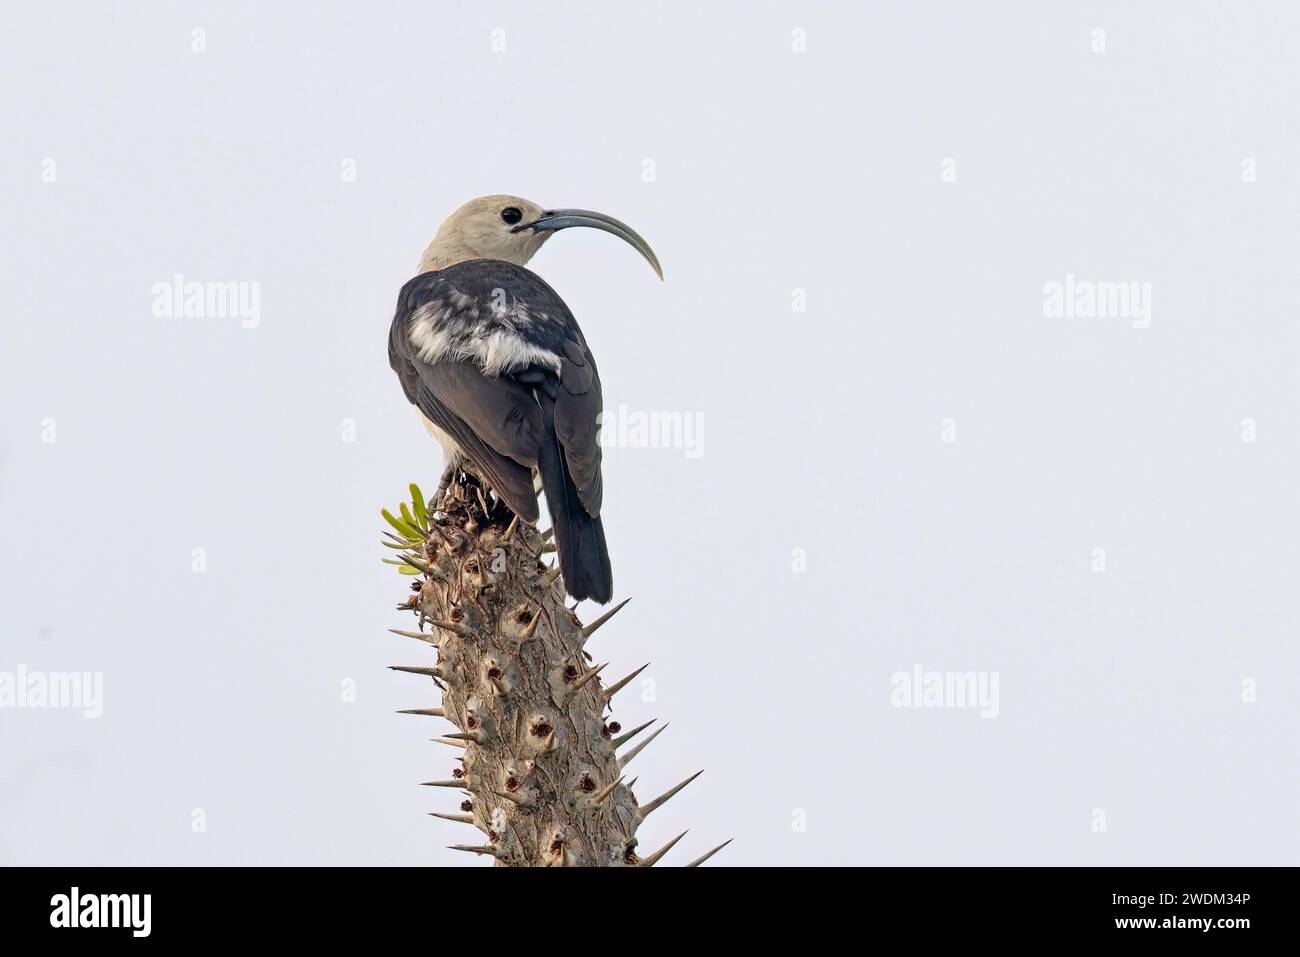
(410, 519)
(393, 561)
(401, 526)
(421, 510)
(408, 570)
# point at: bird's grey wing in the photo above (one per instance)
(500, 410)
(494, 421)
(511, 480)
(474, 301)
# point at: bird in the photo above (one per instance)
(502, 376)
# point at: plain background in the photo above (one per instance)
(774, 171)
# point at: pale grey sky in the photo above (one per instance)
(904, 457)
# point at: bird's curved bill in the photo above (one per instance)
(555, 219)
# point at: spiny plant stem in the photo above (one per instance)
(532, 747)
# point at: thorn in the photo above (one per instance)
(618, 686)
(606, 791)
(449, 741)
(583, 679)
(546, 535)
(549, 577)
(413, 670)
(704, 857)
(623, 739)
(460, 783)
(477, 736)
(653, 859)
(631, 784)
(644, 812)
(487, 849)
(531, 628)
(421, 635)
(482, 502)
(623, 761)
(521, 801)
(549, 743)
(458, 818)
(591, 629)
(588, 675)
(510, 530)
(455, 627)
(432, 712)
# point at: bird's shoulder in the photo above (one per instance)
(445, 312)
(474, 284)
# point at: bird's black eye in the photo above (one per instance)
(511, 215)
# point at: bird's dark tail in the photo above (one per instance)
(579, 538)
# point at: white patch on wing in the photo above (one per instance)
(439, 332)
(505, 351)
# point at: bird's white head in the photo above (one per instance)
(512, 229)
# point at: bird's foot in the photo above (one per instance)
(444, 483)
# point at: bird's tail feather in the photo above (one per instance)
(579, 538)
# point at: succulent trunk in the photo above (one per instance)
(533, 748)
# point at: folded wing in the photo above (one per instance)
(475, 346)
